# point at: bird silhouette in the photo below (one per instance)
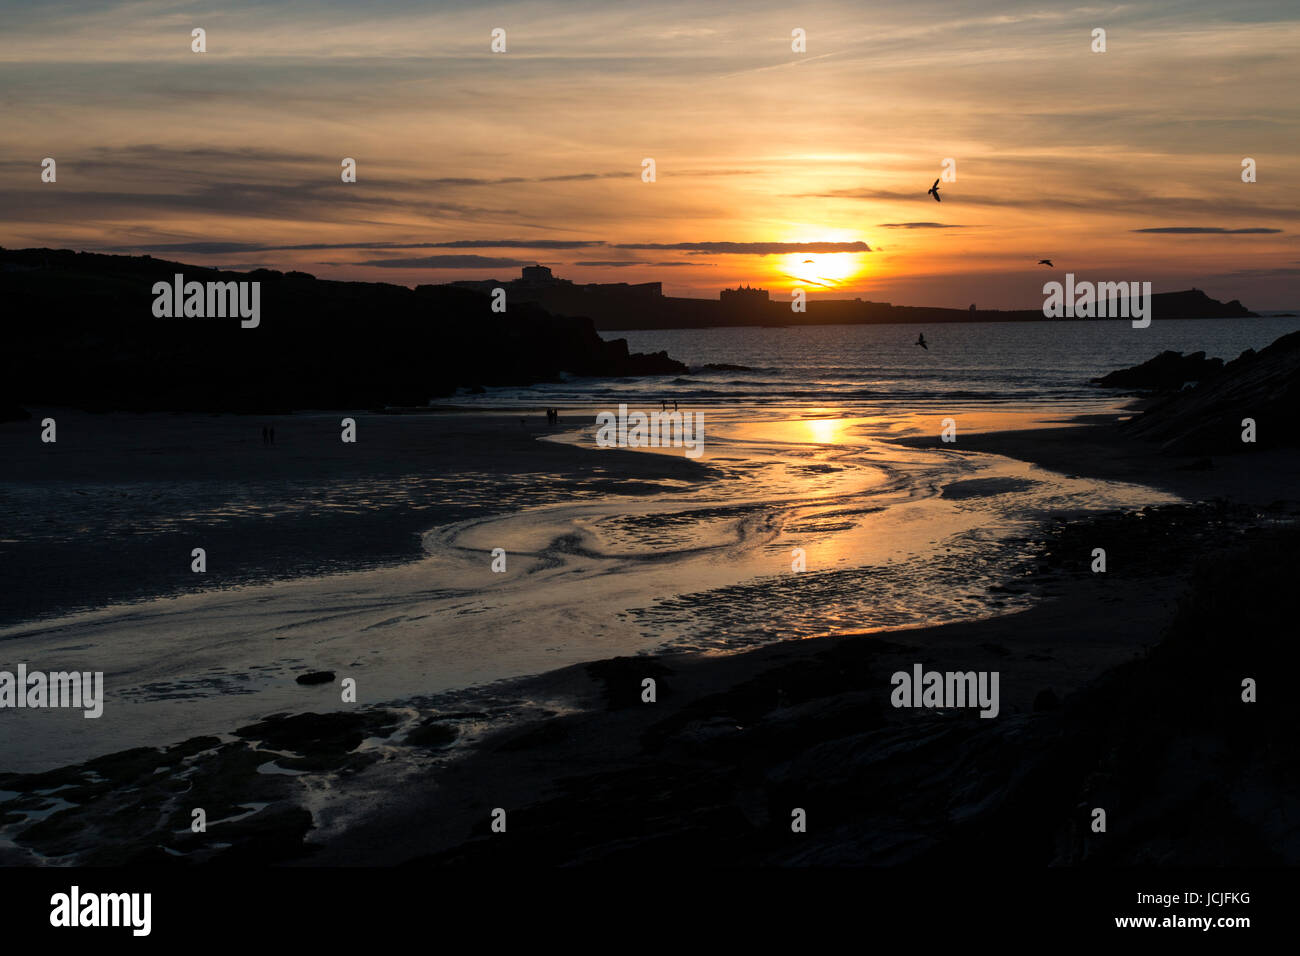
(920, 340)
(934, 191)
(1045, 262)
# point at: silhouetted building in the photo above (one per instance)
(743, 295)
(565, 297)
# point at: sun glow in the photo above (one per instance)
(821, 270)
(825, 431)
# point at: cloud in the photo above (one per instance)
(749, 248)
(203, 247)
(920, 225)
(1257, 273)
(1102, 200)
(210, 246)
(620, 263)
(515, 244)
(1208, 230)
(305, 204)
(512, 180)
(446, 262)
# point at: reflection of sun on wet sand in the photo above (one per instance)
(608, 552)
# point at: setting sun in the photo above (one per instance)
(825, 270)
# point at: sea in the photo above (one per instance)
(880, 367)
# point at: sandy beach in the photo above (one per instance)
(460, 707)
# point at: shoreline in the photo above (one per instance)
(1097, 449)
(266, 513)
(720, 719)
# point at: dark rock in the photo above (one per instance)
(312, 733)
(434, 732)
(1167, 371)
(271, 836)
(1207, 420)
(536, 735)
(1046, 700)
(315, 677)
(622, 677)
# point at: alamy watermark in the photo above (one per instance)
(76, 909)
(1101, 300)
(55, 689)
(211, 300)
(946, 690)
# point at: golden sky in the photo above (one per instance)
(1122, 165)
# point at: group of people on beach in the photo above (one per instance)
(268, 435)
(552, 416)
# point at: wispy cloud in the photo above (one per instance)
(446, 262)
(749, 248)
(227, 247)
(1210, 230)
(921, 225)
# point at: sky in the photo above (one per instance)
(775, 168)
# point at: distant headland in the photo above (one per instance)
(107, 333)
(618, 306)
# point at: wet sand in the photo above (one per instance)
(608, 552)
(412, 778)
(112, 510)
(1092, 447)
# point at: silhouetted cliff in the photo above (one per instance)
(81, 332)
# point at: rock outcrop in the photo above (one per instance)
(1168, 371)
(1263, 387)
(82, 333)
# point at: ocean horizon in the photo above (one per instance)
(880, 366)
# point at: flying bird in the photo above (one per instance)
(1046, 262)
(934, 191)
(920, 340)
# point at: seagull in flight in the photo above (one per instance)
(1046, 262)
(934, 191)
(920, 340)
